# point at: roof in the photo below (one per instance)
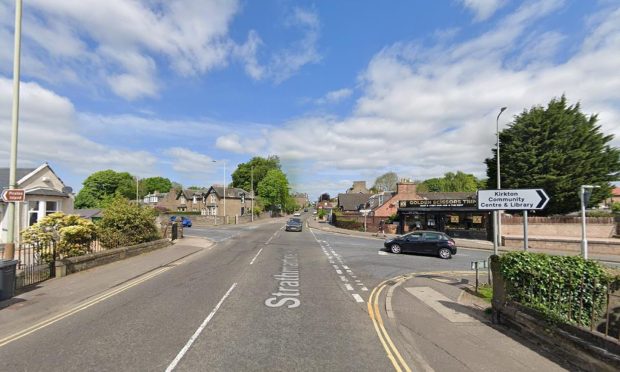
(352, 202)
(379, 199)
(447, 195)
(88, 213)
(19, 174)
(231, 192)
(615, 191)
(47, 192)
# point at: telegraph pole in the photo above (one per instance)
(252, 187)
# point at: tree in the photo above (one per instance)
(242, 176)
(451, 182)
(126, 223)
(273, 188)
(556, 148)
(386, 182)
(102, 184)
(152, 184)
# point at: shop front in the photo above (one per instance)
(457, 217)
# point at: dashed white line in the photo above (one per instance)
(254, 259)
(364, 289)
(344, 278)
(339, 272)
(349, 287)
(345, 267)
(336, 267)
(358, 298)
(189, 343)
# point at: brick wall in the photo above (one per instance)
(596, 227)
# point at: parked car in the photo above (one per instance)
(186, 222)
(294, 224)
(426, 242)
(297, 214)
(305, 209)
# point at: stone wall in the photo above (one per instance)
(72, 265)
(573, 245)
(596, 227)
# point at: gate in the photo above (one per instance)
(36, 263)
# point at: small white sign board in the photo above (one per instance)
(512, 199)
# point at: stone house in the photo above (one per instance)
(238, 202)
(359, 187)
(46, 193)
(301, 199)
(352, 202)
(404, 191)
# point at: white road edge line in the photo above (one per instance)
(198, 331)
(255, 257)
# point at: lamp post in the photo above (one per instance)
(498, 214)
(252, 189)
(137, 184)
(584, 201)
(9, 249)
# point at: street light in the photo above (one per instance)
(252, 189)
(9, 249)
(582, 195)
(498, 214)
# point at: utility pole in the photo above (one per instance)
(9, 249)
(498, 214)
(225, 219)
(585, 198)
(252, 187)
(137, 202)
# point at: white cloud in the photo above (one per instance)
(303, 52)
(334, 96)
(188, 161)
(483, 9)
(48, 131)
(253, 143)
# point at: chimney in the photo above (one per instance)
(406, 187)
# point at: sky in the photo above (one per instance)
(340, 90)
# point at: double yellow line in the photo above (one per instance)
(375, 315)
(85, 305)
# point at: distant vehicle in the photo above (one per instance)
(297, 214)
(305, 209)
(294, 224)
(186, 222)
(425, 242)
(313, 212)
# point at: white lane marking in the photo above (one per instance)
(358, 298)
(345, 267)
(272, 236)
(364, 289)
(344, 278)
(198, 331)
(436, 301)
(255, 257)
(336, 267)
(339, 272)
(350, 272)
(382, 253)
(349, 286)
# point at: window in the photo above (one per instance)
(212, 198)
(33, 212)
(432, 236)
(51, 207)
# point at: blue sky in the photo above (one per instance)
(340, 90)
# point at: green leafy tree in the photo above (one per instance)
(556, 148)
(153, 184)
(242, 176)
(125, 223)
(386, 182)
(273, 188)
(102, 184)
(451, 182)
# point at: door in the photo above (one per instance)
(430, 242)
(413, 243)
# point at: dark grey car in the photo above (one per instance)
(294, 224)
(425, 242)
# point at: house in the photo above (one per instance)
(154, 198)
(301, 199)
(352, 202)
(359, 187)
(405, 190)
(89, 214)
(237, 202)
(379, 199)
(326, 205)
(615, 198)
(191, 200)
(46, 193)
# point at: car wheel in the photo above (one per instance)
(445, 253)
(395, 248)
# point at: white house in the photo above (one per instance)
(45, 194)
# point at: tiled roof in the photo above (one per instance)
(352, 202)
(447, 195)
(615, 191)
(19, 174)
(231, 192)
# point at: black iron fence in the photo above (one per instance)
(36, 263)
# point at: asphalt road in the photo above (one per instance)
(260, 299)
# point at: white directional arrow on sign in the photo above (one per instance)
(511, 199)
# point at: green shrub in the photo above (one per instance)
(564, 288)
(322, 213)
(349, 224)
(71, 234)
(615, 207)
(126, 223)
